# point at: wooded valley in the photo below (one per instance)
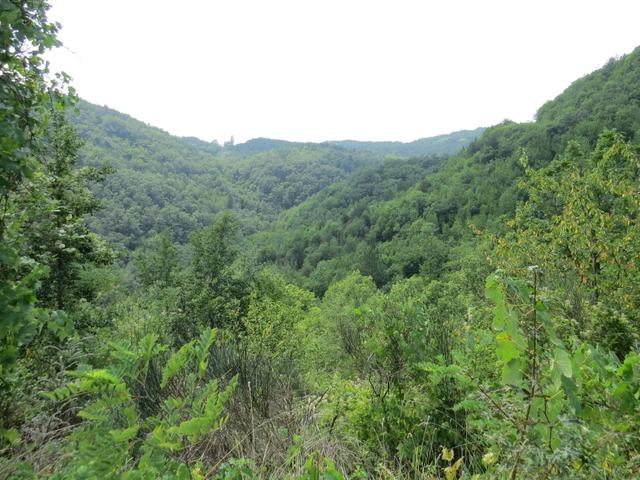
(459, 307)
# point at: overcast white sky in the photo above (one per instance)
(319, 70)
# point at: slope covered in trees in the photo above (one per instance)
(476, 187)
(161, 181)
(475, 320)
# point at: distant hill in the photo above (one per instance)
(448, 144)
(162, 181)
(257, 145)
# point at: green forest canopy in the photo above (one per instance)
(171, 308)
(161, 181)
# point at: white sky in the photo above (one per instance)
(329, 70)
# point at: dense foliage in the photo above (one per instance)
(165, 182)
(472, 317)
(27, 95)
(478, 186)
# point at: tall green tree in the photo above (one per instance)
(156, 262)
(213, 293)
(215, 248)
(26, 92)
(55, 204)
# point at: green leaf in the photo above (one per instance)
(627, 369)
(183, 472)
(125, 434)
(11, 436)
(499, 316)
(520, 287)
(563, 362)
(207, 337)
(511, 372)
(507, 349)
(570, 389)
(542, 311)
(176, 362)
(493, 289)
(555, 405)
(147, 349)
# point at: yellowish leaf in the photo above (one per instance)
(447, 454)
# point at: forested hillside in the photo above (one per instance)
(161, 181)
(474, 317)
(333, 230)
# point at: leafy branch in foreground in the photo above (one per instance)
(139, 420)
(557, 404)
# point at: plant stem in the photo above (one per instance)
(533, 378)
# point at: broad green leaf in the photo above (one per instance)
(569, 387)
(511, 372)
(493, 289)
(499, 316)
(507, 349)
(542, 311)
(520, 287)
(563, 362)
(555, 404)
